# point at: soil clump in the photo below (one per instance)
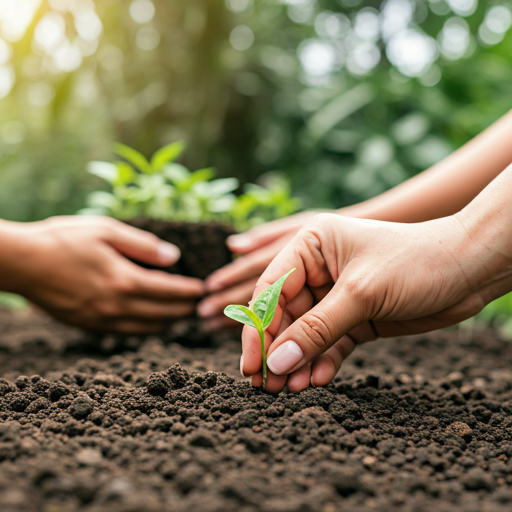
(202, 244)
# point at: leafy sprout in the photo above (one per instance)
(161, 188)
(260, 314)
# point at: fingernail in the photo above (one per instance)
(239, 241)
(205, 309)
(285, 357)
(242, 366)
(168, 253)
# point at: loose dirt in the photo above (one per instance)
(414, 424)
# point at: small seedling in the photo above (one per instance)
(259, 314)
(160, 188)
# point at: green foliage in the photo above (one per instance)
(164, 189)
(260, 314)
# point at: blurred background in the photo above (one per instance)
(345, 97)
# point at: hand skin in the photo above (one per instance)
(440, 191)
(76, 268)
(357, 280)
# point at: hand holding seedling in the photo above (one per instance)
(76, 268)
(235, 282)
(260, 314)
(357, 280)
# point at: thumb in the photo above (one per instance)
(316, 331)
(142, 246)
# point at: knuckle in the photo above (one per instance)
(355, 289)
(316, 330)
(108, 309)
(124, 286)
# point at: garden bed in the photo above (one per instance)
(148, 425)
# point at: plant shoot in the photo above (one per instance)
(259, 315)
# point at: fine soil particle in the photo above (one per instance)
(411, 425)
(202, 244)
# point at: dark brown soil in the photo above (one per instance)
(416, 424)
(202, 244)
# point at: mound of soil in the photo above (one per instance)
(202, 244)
(415, 424)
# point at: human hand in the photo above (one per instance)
(76, 268)
(357, 280)
(234, 283)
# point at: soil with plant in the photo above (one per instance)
(413, 424)
(202, 244)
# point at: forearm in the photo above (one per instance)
(448, 186)
(486, 258)
(14, 254)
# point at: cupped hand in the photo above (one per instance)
(357, 280)
(77, 269)
(234, 283)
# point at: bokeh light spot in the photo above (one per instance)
(142, 11)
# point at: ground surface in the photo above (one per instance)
(146, 426)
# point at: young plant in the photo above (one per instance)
(161, 188)
(259, 314)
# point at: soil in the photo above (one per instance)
(415, 424)
(202, 244)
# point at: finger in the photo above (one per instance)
(157, 284)
(141, 245)
(275, 383)
(262, 235)
(146, 309)
(251, 343)
(300, 379)
(317, 330)
(246, 267)
(128, 326)
(326, 367)
(251, 349)
(214, 304)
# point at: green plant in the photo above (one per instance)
(161, 188)
(259, 314)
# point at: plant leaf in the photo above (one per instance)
(131, 155)
(104, 170)
(101, 199)
(177, 173)
(125, 173)
(243, 315)
(265, 305)
(202, 175)
(166, 155)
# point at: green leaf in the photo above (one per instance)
(125, 173)
(243, 315)
(167, 154)
(202, 175)
(104, 170)
(265, 305)
(131, 155)
(101, 199)
(177, 173)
